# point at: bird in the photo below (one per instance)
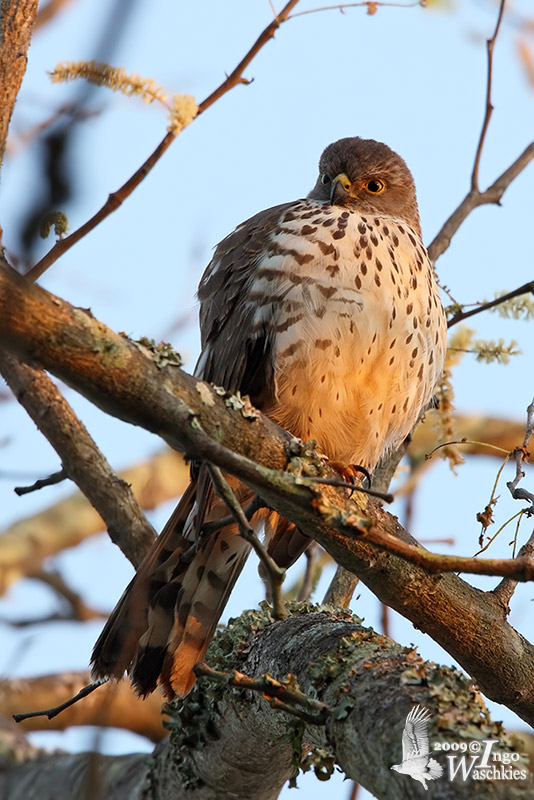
(415, 749)
(325, 311)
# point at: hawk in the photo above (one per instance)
(325, 311)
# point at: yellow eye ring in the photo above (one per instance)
(374, 186)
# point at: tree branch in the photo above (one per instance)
(475, 198)
(191, 416)
(113, 705)
(16, 25)
(28, 542)
(494, 193)
(116, 199)
(82, 460)
(489, 106)
(527, 288)
(230, 737)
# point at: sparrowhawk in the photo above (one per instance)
(326, 312)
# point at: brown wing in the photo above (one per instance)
(164, 621)
(236, 352)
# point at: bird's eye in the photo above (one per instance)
(325, 178)
(375, 186)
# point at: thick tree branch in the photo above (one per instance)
(127, 382)
(81, 459)
(228, 743)
(16, 25)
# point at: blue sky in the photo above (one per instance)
(414, 78)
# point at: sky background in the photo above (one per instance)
(412, 77)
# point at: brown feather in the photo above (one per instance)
(326, 312)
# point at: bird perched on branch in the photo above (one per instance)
(325, 311)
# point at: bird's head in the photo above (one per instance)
(368, 176)
(396, 767)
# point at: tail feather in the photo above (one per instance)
(434, 769)
(116, 646)
(166, 618)
(205, 592)
(285, 543)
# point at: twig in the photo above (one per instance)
(519, 568)
(309, 575)
(283, 695)
(371, 6)
(275, 573)
(305, 480)
(211, 527)
(53, 712)
(51, 480)
(116, 199)
(79, 610)
(521, 455)
(506, 588)
(489, 106)
(461, 315)
(109, 495)
(474, 198)
(494, 193)
(341, 588)
(49, 11)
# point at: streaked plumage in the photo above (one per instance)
(325, 311)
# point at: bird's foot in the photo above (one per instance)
(351, 473)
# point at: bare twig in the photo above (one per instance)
(51, 480)
(519, 568)
(275, 573)
(115, 705)
(305, 480)
(211, 527)
(474, 198)
(521, 455)
(341, 588)
(461, 315)
(309, 575)
(494, 193)
(49, 11)
(283, 695)
(53, 712)
(506, 588)
(116, 199)
(372, 7)
(489, 106)
(79, 610)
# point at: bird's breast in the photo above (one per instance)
(358, 331)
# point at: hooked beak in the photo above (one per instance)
(340, 188)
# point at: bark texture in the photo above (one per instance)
(227, 743)
(16, 25)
